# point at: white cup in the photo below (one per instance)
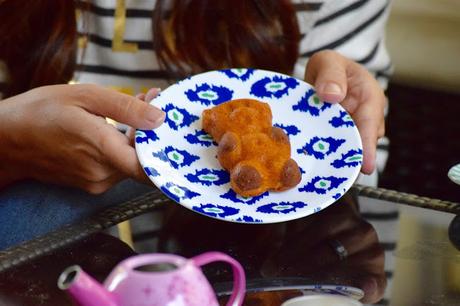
(322, 300)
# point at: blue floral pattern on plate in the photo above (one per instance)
(177, 117)
(238, 73)
(209, 94)
(200, 137)
(178, 193)
(180, 158)
(281, 208)
(321, 147)
(276, 86)
(144, 136)
(236, 198)
(216, 210)
(321, 185)
(342, 120)
(151, 171)
(291, 130)
(310, 103)
(176, 157)
(352, 158)
(209, 177)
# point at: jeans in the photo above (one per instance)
(31, 209)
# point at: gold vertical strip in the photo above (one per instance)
(82, 42)
(124, 233)
(118, 45)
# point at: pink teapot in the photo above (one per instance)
(153, 280)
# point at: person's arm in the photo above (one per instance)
(58, 134)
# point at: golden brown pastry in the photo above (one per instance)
(257, 155)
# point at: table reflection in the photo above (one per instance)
(280, 260)
(300, 248)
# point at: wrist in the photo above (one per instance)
(10, 163)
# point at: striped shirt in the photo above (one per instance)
(118, 47)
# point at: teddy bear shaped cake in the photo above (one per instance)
(256, 154)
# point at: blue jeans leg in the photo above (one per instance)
(31, 209)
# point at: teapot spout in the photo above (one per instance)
(84, 289)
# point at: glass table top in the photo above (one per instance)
(394, 255)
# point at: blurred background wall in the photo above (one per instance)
(423, 38)
(424, 42)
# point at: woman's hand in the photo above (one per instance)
(338, 79)
(58, 134)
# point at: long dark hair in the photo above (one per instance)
(37, 42)
(38, 38)
(195, 35)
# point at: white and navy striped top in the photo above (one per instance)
(117, 40)
(118, 51)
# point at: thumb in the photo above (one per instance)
(120, 154)
(118, 106)
(326, 70)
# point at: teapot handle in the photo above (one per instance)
(239, 279)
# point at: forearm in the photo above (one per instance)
(9, 167)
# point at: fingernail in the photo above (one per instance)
(332, 88)
(152, 93)
(153, 90)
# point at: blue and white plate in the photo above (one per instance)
(180, 158)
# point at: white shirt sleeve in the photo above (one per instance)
(354, 28)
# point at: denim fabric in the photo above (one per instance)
(31, 209)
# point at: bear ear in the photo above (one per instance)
(290, 175)
(278, 135)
